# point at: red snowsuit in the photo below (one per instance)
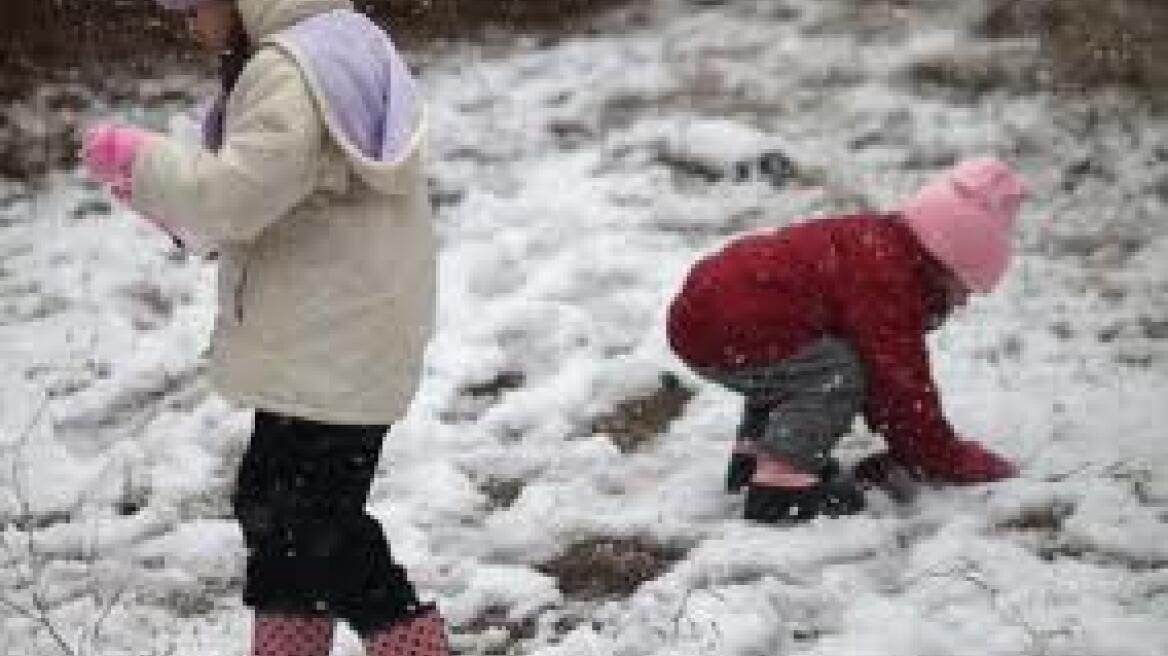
(863, 278)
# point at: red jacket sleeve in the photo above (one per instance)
(881, 308)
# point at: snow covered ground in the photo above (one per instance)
(557, 486)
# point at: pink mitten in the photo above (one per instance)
(108, 151)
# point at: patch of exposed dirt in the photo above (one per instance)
(601, 566)
(635, 422)
(501, 493)
(82, 40)
(498, 619)
(1090, 44)
(973, 74)
(475, 399)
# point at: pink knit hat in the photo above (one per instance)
(964, 217)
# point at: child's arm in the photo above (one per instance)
(267, 163)
(903, 402)
(889, 335)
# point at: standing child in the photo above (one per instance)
(310, 187)
(823, 320)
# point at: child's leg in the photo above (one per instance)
(312, 547)
(745, 453)
(814, 396)
(800, 407)
(421, 634)
(755, 413)
(291, 634)
(810, 400)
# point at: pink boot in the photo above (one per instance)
(291, 634)
(421, 634)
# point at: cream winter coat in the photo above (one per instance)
(327, 257)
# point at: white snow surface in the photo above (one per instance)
(564, 233)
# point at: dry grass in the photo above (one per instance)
(494, 388)
(972, 74)
(1088, 43)
(866, 20)
(501, 493)
(476, 398)
(1046, 519)
(499, 618)
(601, 567)
(637, 421)
(72, 40)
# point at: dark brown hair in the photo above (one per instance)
(233, 60)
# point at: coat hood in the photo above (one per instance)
(264, 18)
(365, 90)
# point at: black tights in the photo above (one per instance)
(311, 546)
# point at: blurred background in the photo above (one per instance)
(1086, 45)
(1089, 42)
(50, 39)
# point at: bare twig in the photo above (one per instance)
(99, 621)
(38, 612)
(967, 570)
(40, 617)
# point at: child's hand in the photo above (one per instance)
(882, 470)
(965, 461)
(961, 461)
(108, 152)
(876, 469)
